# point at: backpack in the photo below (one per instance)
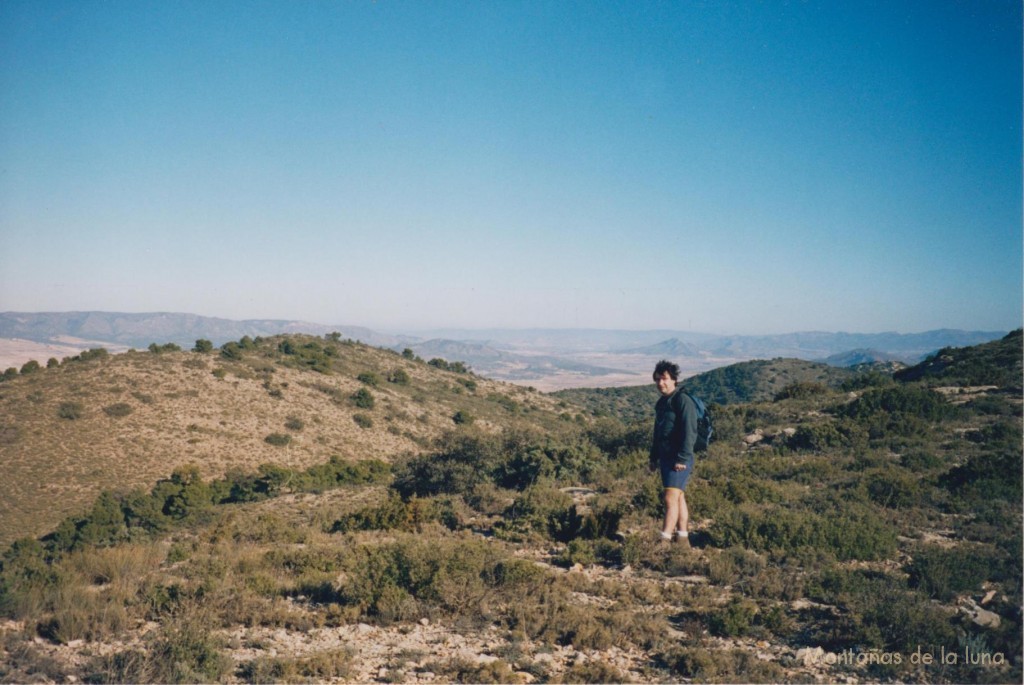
(705, 423)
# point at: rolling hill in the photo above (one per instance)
(126, 420)
(753, 381)
(306, 509)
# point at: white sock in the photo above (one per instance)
(666, 536)
(682, 534)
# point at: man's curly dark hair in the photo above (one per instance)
(663, 366)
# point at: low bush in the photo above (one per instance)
(70, 410)
(278, 439)
(722, 666)
(369, 378)
(943, 573)
(856, 532)
(409, 578)
(735, 619)
(363, 399)
(393, 513)
(800, 390)
(878, 611)
(319, 667)
(398, 377)
(118, 410)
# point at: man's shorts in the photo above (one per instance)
(670, 478)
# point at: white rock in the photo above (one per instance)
(981, 617)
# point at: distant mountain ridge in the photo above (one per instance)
(671, 348)
(139, 330)
(548, 358)
(907, 347)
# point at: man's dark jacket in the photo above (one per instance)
(675, 430)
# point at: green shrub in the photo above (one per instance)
(800, 390)
(734, 565)
(893, 488)
(944, 573)
(532, 511)
(987, 476)
(406, 579)
(186, 651)
(393, 513)
(461, 670)
(362, 420)
(320, 667)
(722, 666)
(231, 351)
(363, 399)
(524, 467)
(920, 460)
(821, 437)
(463, 417)
(568, 524)
(120, 409)
(911, 400)
(30, 366)
(369, 378)
(70, 410)
(735, 619)
(579, 552)
(593, 671)
(877, 611)
(278, 439)
(398, 377)
(461, 462)
(855, 532)
(203, 346)
(101, 353)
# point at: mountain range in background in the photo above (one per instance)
(548, 359)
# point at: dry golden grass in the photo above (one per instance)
(140, 415)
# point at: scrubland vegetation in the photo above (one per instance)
(839, 529)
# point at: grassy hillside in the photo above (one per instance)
(994, 363)
(856, 530)
(122, 421)
(753, 381)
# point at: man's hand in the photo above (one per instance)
(679, 467)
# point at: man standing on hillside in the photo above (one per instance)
(675, 431)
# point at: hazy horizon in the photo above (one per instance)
(737, 168)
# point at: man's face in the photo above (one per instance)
(666, 386)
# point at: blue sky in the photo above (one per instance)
(726, 167)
